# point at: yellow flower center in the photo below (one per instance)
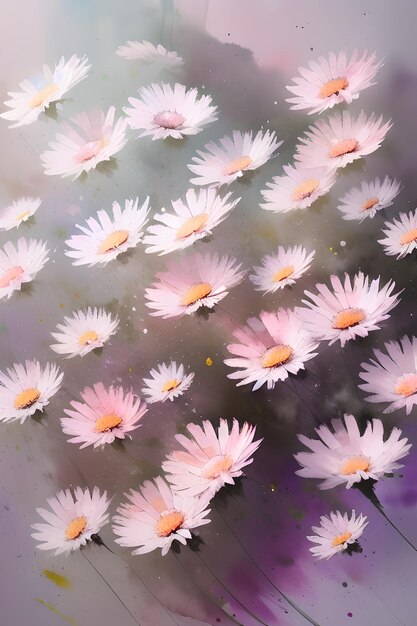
(347, 318)
(237, 165)
(43, 95)
(10, 274)
(88, 337)
(332, 87)
(169, 119)
(169, 523)
(107, 422)
(341, 539)
(26, 398)
(21, 216)
(277, 355)
(75, 528)
(283, 273)
(170, 384)
(113, 241)
(408, 237)
(196, 292)
(343, 147)
(216, 466)
(369, 204)
(191, 226)
(406, 385)
(355, 464)
(305, 189)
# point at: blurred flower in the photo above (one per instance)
(25, 389)
(401, 236)
(347, 457)
(211, 460)
(149, 53)
(20, 264)
(83, 332)
(73, 520)
(17, 212)
(359, 203)
(156, 516)
(281, 269)
(336, 532)
(166, 383)
(38, 93)
(105, 238)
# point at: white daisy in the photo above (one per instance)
(20, 264)
(83, 332)
(281, 269)
(336, 533)
(349, 310)
(17, 212)
(221, 165)
(105, 238)
(149, 53)
(401, 235)
(73, 520)
(38, 93)
(333, 80)
(25, 389)
(366, 200)
(163, 111)
(340, 140)
(211, 460)
(167, 382)
(347, 457)
(298, 189)
(392, 375)
(156, 516)
(87, 140)
(192, 220)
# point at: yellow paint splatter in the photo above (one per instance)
(51, 607)
(209, 361)
(60, 581)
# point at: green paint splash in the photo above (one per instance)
(51, 607)
(60, 581)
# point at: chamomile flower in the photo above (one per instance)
(20, 264)
(364, 201)
(83, 332)
(149, 53)
(281, 269)
(168, 381)
(336, 532)
(19, 211)
(401, 235)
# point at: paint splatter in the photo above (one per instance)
(57, 579)
(209, 361)
(51, 607)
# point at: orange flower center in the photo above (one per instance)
(26, 398)
(369, 204)
(408, 237)
(355, 464)
(341, 539)
(88, 337)
(169, 119)
(21, 216)
(10, 274)
(90, 150)
(107, 422)
(169, 523)
(305, 189)
(192, 225)
(343, 147)
(332, 87)
(406, 385)
(283, 273)
(277, 355)
(347, 318)
(170, 384)
(43, 95)
(216, 466)
(75, 528)
(237, 165)
(113, 241)
(196, 292)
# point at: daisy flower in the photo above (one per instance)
(17, 212)
(83, 332)
(20, 264)
(37, 94)
(333, 80)
(341, 140)
(298, 189)
(72, 520)
(366, 200)
(103, 416)
(167, 382)
(192, 220)
(221, 165)
(401, 235)
(163, 111)
(270, 348)
(191, 283)
(86, 141)
(25, 389)
(392, 375)
(105, 238)
(155, 516)
(336, 532)
(149, 53)
(281, 269)
(351, 309)
(211, 460)
(347, 457)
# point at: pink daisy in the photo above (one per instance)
(333, 80)
(211, 460)
(349, 310)
(336, 532)
(270, 348)
(281, 269)
(87, 140)
(20, 264)
(401, 235)
(103, 416)
(340, 140)
(366, 200)
(191, 283)
(167, 382)
(392, 375)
